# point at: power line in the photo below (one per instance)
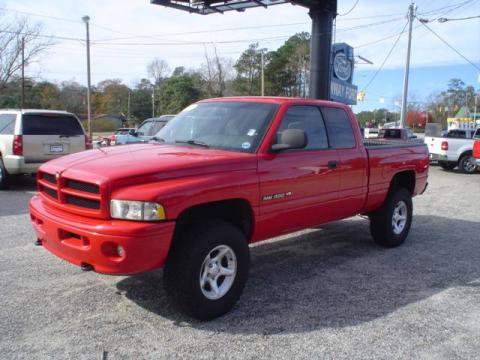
(42, 36)
(386, 58)
(451, 47)
(459, 19)
(349, 11)
(41, 15)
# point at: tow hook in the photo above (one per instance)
(86, 267)
(38, 242)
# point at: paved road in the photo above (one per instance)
(328, 293)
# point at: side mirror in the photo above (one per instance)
(291, 139)
(132, 132)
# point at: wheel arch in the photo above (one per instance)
(237, 211)
(404, 179)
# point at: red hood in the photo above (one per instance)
(147, 162)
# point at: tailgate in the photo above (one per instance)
(41, 148)
(434, 145)
(48, 136)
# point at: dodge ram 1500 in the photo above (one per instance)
(223, 174)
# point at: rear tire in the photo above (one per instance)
(448, 166)
(467, 164)
(390, 224)
(4, 177)
(207, 269)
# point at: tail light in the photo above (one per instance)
(88, 143)
(17, 145)
(444, 145)
(476, 149)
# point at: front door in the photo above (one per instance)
(299, 187)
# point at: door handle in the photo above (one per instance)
(332, 164)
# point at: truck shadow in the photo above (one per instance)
(334, 277)
(14, 201)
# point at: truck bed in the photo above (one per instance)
(384, 143)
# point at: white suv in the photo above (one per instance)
(29, 138)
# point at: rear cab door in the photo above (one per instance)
(47, 136)
(344, 137)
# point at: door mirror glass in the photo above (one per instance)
(291, 139)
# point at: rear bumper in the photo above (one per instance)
(16, 165)
(84, 241)
(438, 157)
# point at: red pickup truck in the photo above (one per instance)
(223, 174)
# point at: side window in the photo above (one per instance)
(339, 129)
(7, 124)
(310, 120)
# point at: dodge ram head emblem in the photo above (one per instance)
(57, 176)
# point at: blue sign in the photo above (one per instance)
(343, 92)
(341, 87)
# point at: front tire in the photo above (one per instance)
(390, 224)
(448, 166)
(4, 177)
(467, 164)
(207, 269)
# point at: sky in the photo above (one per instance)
(127, 34)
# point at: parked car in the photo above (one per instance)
(397, 134)
(111, 140)
(222, 174)
(145, 132)
(28, 138)
(455, 149)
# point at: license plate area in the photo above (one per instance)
(56, 149)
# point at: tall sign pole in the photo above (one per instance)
(86, 20)
(403, 113)
(320, 48)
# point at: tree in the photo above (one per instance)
(287, 70)
(158, 70)
(141, 101)
(73, 97)
(249, 71)
(215, 72)
(446, 104)
(12, 35)
(111, 97)
(178, 92)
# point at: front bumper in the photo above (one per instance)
(93, 243)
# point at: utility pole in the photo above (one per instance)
(86, 20)
(263, 74)
(153, 101)
(22, 101)
(128, 107)
(411, 15)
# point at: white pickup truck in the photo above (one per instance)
(455, 149)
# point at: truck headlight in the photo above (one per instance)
(136, 210)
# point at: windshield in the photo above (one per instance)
(232, 125)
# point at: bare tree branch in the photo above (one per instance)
(11, 35)
(158, 70)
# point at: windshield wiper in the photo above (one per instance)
(193, 142)
(158, 139)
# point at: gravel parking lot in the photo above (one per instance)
(325, 293)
